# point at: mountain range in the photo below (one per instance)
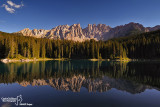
(92, 31)
(75, 84)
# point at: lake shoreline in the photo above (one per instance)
(28, 60)
(66, 59)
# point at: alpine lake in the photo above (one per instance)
(80, 83)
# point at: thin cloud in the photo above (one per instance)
(15, 5)
(10, 10)
(10, 6)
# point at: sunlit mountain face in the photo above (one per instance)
(96, 32)
(132, 77)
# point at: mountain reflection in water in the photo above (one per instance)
(133, 77)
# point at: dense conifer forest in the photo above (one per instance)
(141, 46)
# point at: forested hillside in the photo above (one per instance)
(142, 46)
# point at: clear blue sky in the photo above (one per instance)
(46, 14)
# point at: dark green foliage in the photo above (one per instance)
(141, 46)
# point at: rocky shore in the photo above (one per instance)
(23, 60)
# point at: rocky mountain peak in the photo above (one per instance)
(96, 31)
(153, 28)
(92, 31)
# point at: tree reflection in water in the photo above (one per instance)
(133, 77)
